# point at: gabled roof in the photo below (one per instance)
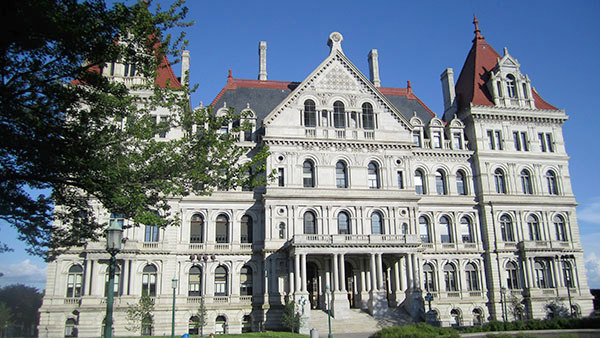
(471, 85)
(165, 75)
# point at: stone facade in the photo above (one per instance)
(377, 202)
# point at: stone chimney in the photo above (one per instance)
(374, 68)
(185, 64)
(448, 92)
(262, 61)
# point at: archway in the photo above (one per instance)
(350, 283)
(312, 284)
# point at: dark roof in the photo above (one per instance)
(264, 96)
(471, 85)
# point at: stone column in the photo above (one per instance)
(303, 258)
(415, 271)
(340, 304)
(409, 272)
(336, 275)
(342, 273)
(373, 276)
(88, 278)
(380, 281)
(364, 295)
(297, 273)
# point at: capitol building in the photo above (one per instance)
(377, 202)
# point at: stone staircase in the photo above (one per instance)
(357, 322)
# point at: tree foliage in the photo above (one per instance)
(291, 318)
(5, 319)
(91, 141)
(24, 303)
(139, 314)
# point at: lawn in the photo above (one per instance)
(266, 334)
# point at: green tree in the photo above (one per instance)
(291, 318)
(139, 315)
(24, 303)
(68, 130)
(200, 321)
(5, 319)
(516, 307)
(556, 309)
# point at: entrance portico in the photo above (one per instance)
(371, 272)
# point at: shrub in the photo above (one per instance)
(419, 330)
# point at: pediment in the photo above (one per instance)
(336, 78)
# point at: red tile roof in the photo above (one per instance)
(389, 91)
(165, 74)
(233, 84)
(471, 85)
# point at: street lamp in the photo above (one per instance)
(328, 293)
(503, 291)
(174, 286)
(114, 236)
(568, 281)
(429, 298)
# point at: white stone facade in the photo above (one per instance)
(379, 202)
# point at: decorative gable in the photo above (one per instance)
(337, 101)
(509, 87)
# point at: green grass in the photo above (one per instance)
(266, 334)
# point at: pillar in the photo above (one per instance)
(342, 273)
(297, 273)
(336, 276)
(373, 277)
(303, 259)
(380, 285)
(409, 272)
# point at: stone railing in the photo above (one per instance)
(355, 239)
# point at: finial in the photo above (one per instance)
(230, 76)
(335, 42)
(408, 86)
(477, 32)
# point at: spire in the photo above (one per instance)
(477, 32)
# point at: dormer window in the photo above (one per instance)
(511, 86)
(339, 115)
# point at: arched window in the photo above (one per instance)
(526, 182)
(222, 229)
(461, 183)
(540, 275)
(368, 119)
(512, 278)
(193, 325)
(373, 175)
(552, 182)
(568, 274)
(472, 277)
(341, 175)
(147, 324)
(511, 86)
(74, 281)
(404, 229)
(310, 224)
(149, 281)
(561, 230)
(466, 229)
(456, 318)
(246, 281)
(534, 228)
(70, 328)
(246, 230)
(310, 114)
(343, 223)
(500, 181)
(446, 230)
(116, 289)
(308, 174)
(420, 183)
(221, 288)
(281, 230)
(477, 317)
(376, 223)
(450, 277)
(424, 229)
(507, 228)
(220, 325)
(197, 229)
(440, 182)
(428, 278)
(339, 115)
(195, 282)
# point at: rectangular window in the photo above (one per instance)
(417, 138)
(524, 141)
(400, 180)
(457, 141)
(280, 177)
(162, 123)
(498, 140)
(549, 144)
(491, 143)
(546, 144)
(517, 140)
(437, 140)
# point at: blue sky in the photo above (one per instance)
(556, 42)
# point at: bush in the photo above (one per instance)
(419, 330)
(537, 324)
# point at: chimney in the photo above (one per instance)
(374, 68)
(262, 61)
(447, 78)
(185, 65)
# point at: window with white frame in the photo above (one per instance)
(568, 275)
(520, 141)
(117, 278)
(419, 182)
(343, 223)
(373, 175)
(376, 223)
(400, 176)
(417, 138)
(461, 183)
(195, 281)
(368, 118)
(450, 277)
(341, 175)
(437, 139)
(197, 229)
(533, 224)
(246, 281)
(310, 223)
(310, 114)
(308, 174)
(149, 277)
(512, 275)
(424, 229)
(75, 281)
(428, 278)
(526, 184)
(457, 141)
(552, 182)
(440, 182)
(246, 229)
(221, 275)
(495, 139)
(500, 181)
(561, 229)
(222, 229)
(339, 115)
(466, 229)
(446, 230)
(506, 227)
(511, 86)
(546, 143)
(472, 277)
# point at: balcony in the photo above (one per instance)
(356, 239)
(72, 301)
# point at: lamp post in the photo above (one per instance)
(114, 236)
(503, 292)
(174, 286)
(328, 293)
(429, 298)
(568, 281)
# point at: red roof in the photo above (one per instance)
(471, 85)
(233, 84)
(165, 74)
(390, 91)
